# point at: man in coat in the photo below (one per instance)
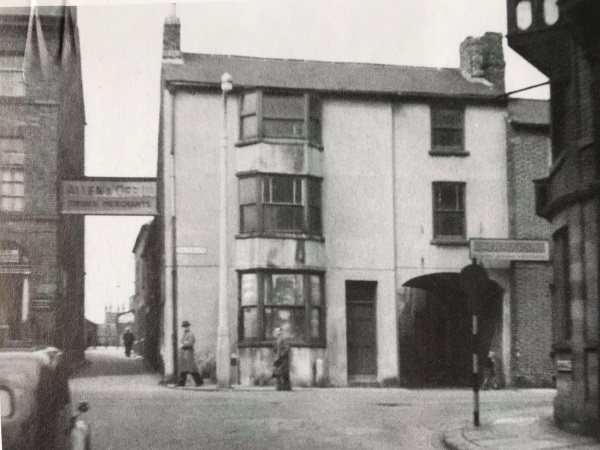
(128, 340)
(187, 361)
(281, 369)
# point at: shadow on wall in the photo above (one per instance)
(435, 333)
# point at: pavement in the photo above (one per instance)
(515, 433)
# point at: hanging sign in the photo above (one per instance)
(510, 249)
(109, 196)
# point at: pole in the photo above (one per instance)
(475, 370)
(223, 368)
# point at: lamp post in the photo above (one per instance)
(223, 361)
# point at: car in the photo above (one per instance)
(35, 400)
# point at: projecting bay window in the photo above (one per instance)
(447, 130)
(292, 301)
(12, 173)
(449, 212)
(269, 115)
(274, 204)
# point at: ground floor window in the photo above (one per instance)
(292, 301)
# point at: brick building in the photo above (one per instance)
(562, 39)
(41, 141)
(368, 288)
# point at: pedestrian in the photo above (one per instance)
(281, 366)
(489, 372)
(187, 359)
(128, 340)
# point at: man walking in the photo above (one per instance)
(281, 369)
(128, 340)
(187, 362)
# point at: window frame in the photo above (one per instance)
(304, 182)
(12, 168)
(447, 150)
(462, 210)
(264, 278)
(311, 118)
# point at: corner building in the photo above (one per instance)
(352, 192)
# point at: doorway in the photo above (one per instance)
(361, 330)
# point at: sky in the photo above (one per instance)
(121, 45)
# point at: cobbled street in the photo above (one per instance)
(130, 410)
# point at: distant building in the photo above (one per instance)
(562, 40)
(353, 191)
(42, 124)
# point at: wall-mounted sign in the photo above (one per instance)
(564, 365)
(10, 256)
(510, 249)
(109, 196)
(192, 250)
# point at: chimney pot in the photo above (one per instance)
(172, 40)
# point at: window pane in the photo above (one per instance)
(447, 118)
(315, 323)
(249, 288)
(298, 191)
(315, 107)
(283, 106)
(250, 318)
(447, 197)
(7, 204)
(249, 103)
(314, 131)
(283, 128)
(314, 192)
(286, 289)
(449, 224)
(249, 126)
(17, 174)
(282, 218)
(447, 138)
(249, 219)
(315, 289)
(248, 190)
(282, 190)
(18, 189)
(314, 220)
(19, 204)
(6, 175)
(6, 188)
(290, 320)
(11, 62)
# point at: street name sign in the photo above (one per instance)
(109, 196)
(510, 249)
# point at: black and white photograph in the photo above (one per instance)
(299, 224)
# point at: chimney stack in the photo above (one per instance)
(172, 39)
(483, 58)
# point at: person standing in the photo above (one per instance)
(187, 361)
(128, 340)
(281, 369)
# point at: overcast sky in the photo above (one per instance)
(121, 54)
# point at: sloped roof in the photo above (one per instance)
(326, 76)
(529, 112)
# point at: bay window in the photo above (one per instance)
(292, 301)
(280, 115)
(280, 203)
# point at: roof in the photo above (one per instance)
(326, 76)
(529, 112)
(50, 11)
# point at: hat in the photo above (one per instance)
(185, 323)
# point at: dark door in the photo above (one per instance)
(361, 329)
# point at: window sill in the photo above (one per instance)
(281, 235)
(286, 141)
(271, 343)
(452, 242)
(459, 153)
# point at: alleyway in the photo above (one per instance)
(129, 410)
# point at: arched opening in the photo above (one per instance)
(435, 330)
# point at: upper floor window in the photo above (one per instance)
(292, 301)
(449, 211)
(12, 83)
(280, 115)
(12, 182)
(447, 130)
(280, 203)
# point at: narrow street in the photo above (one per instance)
(129, 410)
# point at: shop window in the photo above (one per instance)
(447, 130)
(449, 211)
(12, 172)
(280, 115)
(280, 204)
(292, 301)
(12, 83)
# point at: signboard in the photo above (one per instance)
(109, 196)
(192, 250)
(510, 249)
(10, 256)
